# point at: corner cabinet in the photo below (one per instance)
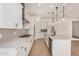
(11, 15)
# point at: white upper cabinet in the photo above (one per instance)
(11, 15)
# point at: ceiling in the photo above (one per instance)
(44, 10)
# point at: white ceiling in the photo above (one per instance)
(71, 10)
(44, 10)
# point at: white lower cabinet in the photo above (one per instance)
(68, 42)
(61, 47)
(7, 51)
(24, 47)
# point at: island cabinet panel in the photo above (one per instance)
(61, 47)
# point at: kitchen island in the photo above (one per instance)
(61, 46)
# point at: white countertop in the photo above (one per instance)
(60, 37)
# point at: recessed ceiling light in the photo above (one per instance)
(39, 4)
(55, 12)
(51, 6)
(0, 35)
(64, 4)
(38, 18)
(63, 19)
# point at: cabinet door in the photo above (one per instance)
(59, 48)
(7, 52)
(18, 16)
(11, 15)
(68, 47)
(3, 15)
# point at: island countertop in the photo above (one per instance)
(60, 37)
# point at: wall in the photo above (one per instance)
(64, 28)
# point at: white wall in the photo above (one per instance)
(64, 28)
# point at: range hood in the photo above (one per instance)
(23, 15)
(25, 36)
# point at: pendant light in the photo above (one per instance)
(56, 14)
(63, 13)
(52, 17)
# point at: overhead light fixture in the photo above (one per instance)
(63, 12)
(51, 6)
(38, 18)
(56, 13)
(64, 4)
(39, 4)
(63, 19)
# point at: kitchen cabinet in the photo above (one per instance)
(11, 15)
(7, 52)
(23, 46)
(61, 47)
